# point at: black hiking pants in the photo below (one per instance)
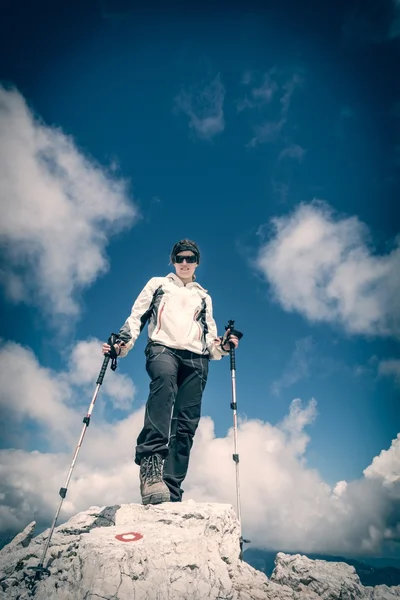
(173, 410)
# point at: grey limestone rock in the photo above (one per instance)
(171, 551)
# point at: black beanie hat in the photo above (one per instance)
(185, 245)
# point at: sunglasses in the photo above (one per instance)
(189, 259)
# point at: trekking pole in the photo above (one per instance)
(40, 569)
(230, 330)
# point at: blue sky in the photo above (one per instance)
(271, 138)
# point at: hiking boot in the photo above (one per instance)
(152, 487)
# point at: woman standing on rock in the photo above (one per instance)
(182, 339)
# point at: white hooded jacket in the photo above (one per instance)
(179, 315)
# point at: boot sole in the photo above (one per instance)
(156, 498)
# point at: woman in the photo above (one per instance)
(182, 338)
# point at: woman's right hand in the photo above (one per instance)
(106, 348)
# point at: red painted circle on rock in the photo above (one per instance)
(132, 536)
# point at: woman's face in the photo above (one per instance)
(185, 270)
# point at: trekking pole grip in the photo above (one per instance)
(103, 370)
(239, 335)
(111, 355)
(232, 357)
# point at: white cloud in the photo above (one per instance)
(31, 393)
(267, 132)
(289, 87)
(84, 365)
(261, 95)
(386, 466)
(285, 503)
(322, 267)
(298, 366)
(58, 209)
(104, 474)
(292, 151)
(340, 488)
(55, 404)
(274, 96)
(390, 367)
(204, 105)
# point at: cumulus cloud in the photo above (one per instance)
(203, 104)
(59, 209)
(322, 266)
(30, 393)
(56, 402)
(104, 474)
(285, 503)
(54, 405)
(386, 466)
(84, 369)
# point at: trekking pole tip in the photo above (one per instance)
(241, 542)
(39, 571)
